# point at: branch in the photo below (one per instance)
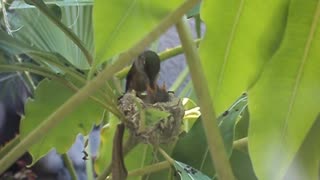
(217, 151)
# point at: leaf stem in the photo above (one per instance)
(168, 53)
(166, 156)
(92, 86)
(8, 146)
(150, 169)
(69, 166)
(209, 120)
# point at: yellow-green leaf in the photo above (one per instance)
(284, 102)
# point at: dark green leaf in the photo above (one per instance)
(241, 36)
(187, 172)
(306, 163)
(193, 150)
(37, 30)
(49, 96)
(118, 24)
(284, 102)
(242, 166)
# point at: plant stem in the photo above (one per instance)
(175, 51)
(210, 125)
(73, 37)
(69, 166)
(163, 56)
(166, 156)
(127, 147)
(8, 146)
(150, 169)
(180, 79)
(92, 86)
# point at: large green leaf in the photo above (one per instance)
(48, 96)
(34, 28)
(193, 149)
(242, 166)
(118, 24)
(284, 102)
(241, 35)
(306, 163)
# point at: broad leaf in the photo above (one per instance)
(48, 96)
(284, 102)
(242, 166)
(197, 153)
(118, 24)
(240, 37)
(306, 163)
(35, 29)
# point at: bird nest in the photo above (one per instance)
(157, 123)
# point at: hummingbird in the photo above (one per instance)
(143, 72)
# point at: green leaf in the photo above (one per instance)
(306, 162)
(139, 157)
(240, 37)
(49, 96)
(37, 30)
(105, 148)
(187, 172)
(284, 102)
(153, 115)
(242, 166)
(197, 153)
(14, 46)
(118, 24)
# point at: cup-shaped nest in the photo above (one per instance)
(157, 123)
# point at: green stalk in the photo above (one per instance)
(209, 120)
(73, 37)
(166, 156)
(69, 166)
(175, 51)
(93, 85)
(9, 145)
(150, 169)
(180, 79)
(163, 56)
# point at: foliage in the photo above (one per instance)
(268, 50)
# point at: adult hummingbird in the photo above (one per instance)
(144, 72)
